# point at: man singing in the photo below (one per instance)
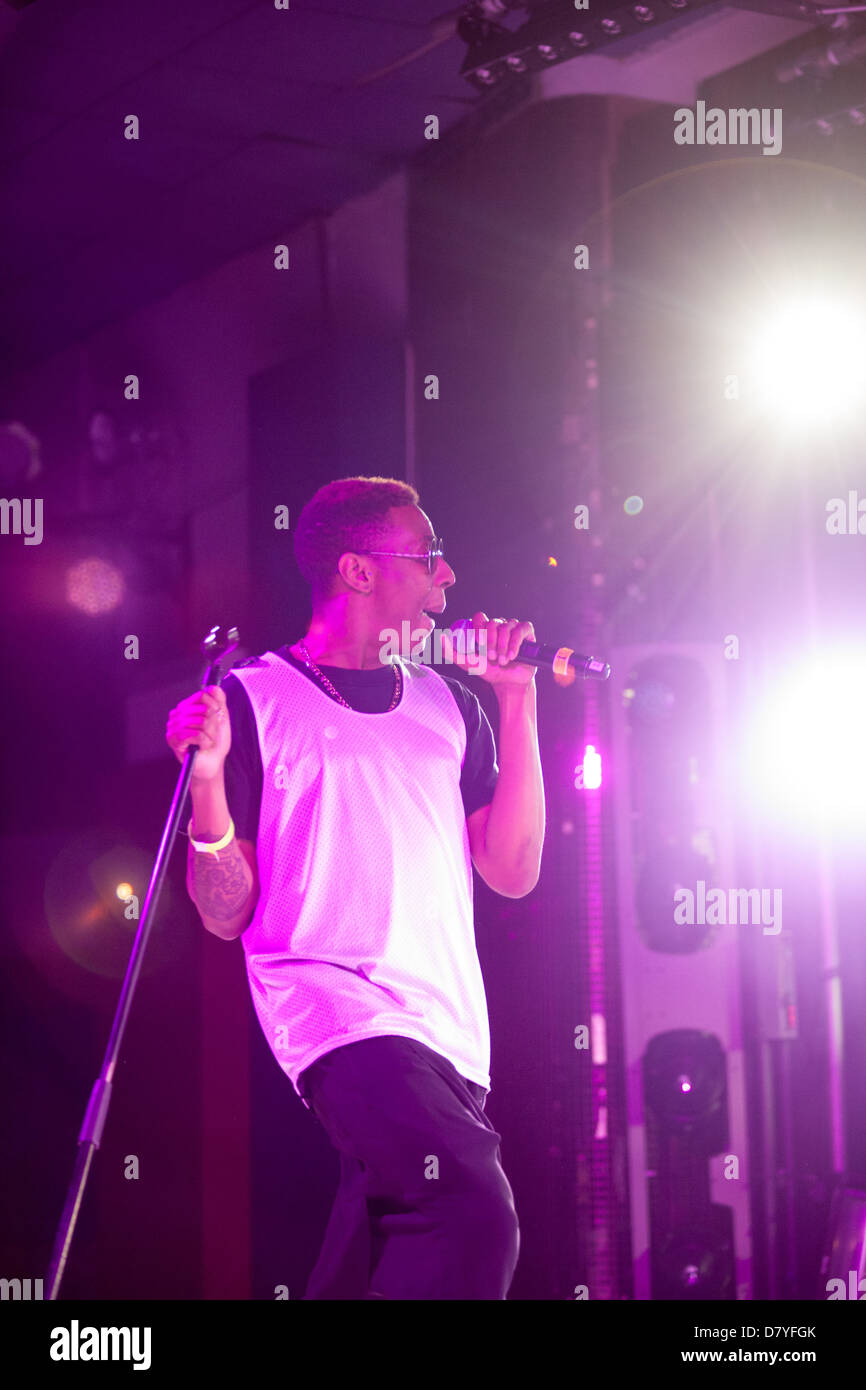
(340, 798)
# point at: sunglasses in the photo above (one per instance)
(434, 551)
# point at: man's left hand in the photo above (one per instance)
(496, 643)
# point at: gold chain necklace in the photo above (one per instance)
(398, 684)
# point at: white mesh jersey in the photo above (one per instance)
(364, 923)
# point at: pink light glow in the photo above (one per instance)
(591, 768)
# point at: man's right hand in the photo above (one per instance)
(201, 719)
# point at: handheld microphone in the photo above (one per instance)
(561, 660)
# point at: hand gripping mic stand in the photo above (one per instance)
(215, 647)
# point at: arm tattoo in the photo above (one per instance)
(221, 888)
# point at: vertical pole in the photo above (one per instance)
(602, 1253)
(829, 918)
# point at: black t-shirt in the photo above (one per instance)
(369, 692)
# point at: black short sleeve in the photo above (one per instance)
(244, 777)
(480, 769)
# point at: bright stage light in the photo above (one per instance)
(587, 774)
(809, 362)
(805, 754)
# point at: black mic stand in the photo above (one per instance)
(215, 647)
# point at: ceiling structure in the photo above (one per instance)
(252, 120)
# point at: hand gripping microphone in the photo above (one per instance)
(565, 663)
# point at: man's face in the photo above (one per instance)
(405, 590)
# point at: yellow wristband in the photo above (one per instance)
(215, 848)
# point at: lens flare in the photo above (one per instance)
(804, 757)
(808, 364)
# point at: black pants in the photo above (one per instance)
(423, 1210)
